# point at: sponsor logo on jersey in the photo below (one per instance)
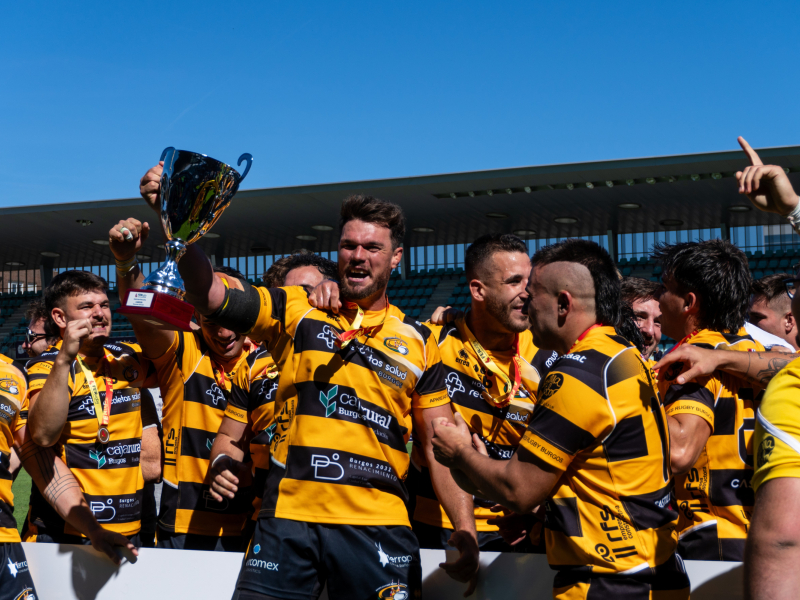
(765, 449)
(327, 336)
(329, 400)
(551, 385)
(397, 345)
(256, 548)
(9, 385)
(216, 394)
(393, 591)
(103, 511)
(99, 457)
(576, 357)
(453, 384)
(463, 358)
(398, 561)
(327, 469)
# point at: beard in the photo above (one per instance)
(502, 313)
(379, 283)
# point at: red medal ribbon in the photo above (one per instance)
(354, 329)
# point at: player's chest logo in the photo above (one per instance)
(215, 394)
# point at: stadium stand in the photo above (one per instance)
(625, 205)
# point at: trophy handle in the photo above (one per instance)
(249, 159)
(164, 153)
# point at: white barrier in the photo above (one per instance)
(64, 572)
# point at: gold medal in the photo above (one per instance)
(103, 435)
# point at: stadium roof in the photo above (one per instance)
(698, 190)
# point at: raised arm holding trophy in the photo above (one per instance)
(195, 190)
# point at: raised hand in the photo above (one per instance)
(766, 186)
(326, 296)
(150, 186)
(127, 237)
(74, 334)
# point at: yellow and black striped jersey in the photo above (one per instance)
(343, 417)
(468, 384)
(110, 475)
(195, 391)
(13, 392)
(600, 421)
(715, 498)
(252, 402)
(777, 435)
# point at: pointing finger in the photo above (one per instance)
(752, 156)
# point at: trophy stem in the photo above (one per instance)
(167, 279)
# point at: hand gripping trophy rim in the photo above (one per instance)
(190, 204)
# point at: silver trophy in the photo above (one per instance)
(195, 191)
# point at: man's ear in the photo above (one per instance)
(564, 302)
(477, 290)
(397, 256)
(692, 303)
(59, 318)
(788, 322)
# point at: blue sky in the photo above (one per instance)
(323, 91)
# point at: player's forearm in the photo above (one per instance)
(130, 280)
(224, 444)
(204, 291)
(456, 502)
(756, 367)
(48, 412)
(495, 482)
(57, 484)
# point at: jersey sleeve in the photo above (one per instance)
(694, 398)
(182, 356)
(237, 408)
(431, 390)
(563, 422)
(281, 310)
(777, 434)
(14, 389)
(149, 411)
(38, 372)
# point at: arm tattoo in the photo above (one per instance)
(776, 362)
(56, 481)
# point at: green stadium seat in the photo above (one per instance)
(435, 281)
(762, 264)
(425, 282)
(449, 271)
(784, 263)
(428, 292)
(758, 274)
(758, 254)
(451, 300)
(462, 280)
(773, 263)
(626, 271)
(752, 264)
(403, 303)
(458, 270)
(657, 270)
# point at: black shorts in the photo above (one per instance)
(293, 560)
(192, 541)
(15, 578)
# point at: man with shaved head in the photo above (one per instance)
(596, 451)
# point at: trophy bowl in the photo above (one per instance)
(195, 191)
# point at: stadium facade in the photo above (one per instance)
(625, 205)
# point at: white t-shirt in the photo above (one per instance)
(765, 338)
